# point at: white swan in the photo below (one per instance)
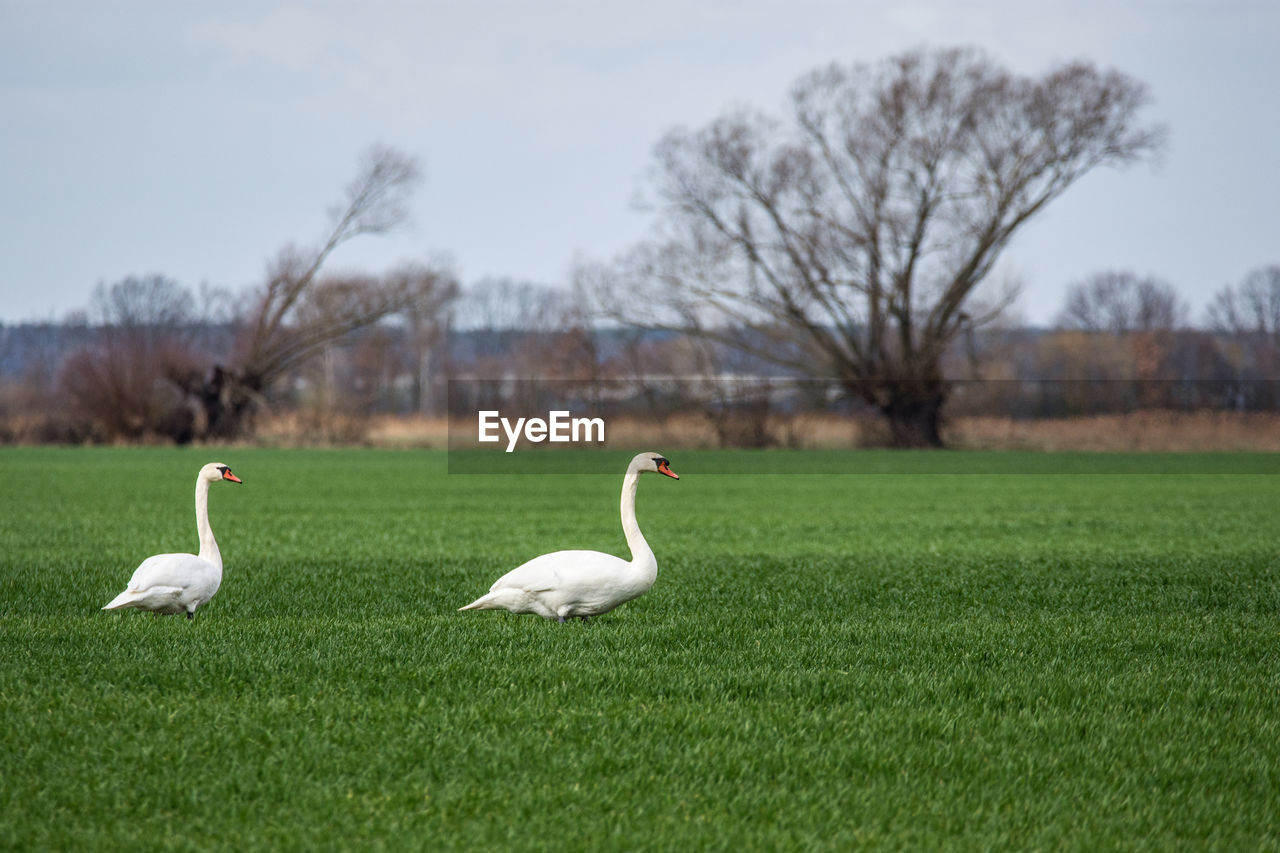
(172, 583)
(568, 584)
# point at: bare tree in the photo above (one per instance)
(521, 346)
(143, 327)
(298, 313)
(847, 241)
(523, 329)
(1251, 309)
(504, 305)
(1121, 303)
(428, 319)
(1120, 333)
(1248, 316)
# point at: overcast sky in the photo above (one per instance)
(195, 140)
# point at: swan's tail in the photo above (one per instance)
(147, 599)
(500, 599)
(128, 598)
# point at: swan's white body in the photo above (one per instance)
(568, 584)
(177, 583)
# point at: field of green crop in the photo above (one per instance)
(916, 659)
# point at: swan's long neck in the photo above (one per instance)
(641, 554)
(208, 547)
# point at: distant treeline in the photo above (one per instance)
(1023, 373)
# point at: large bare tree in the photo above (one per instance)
(846, 241)
(299, 312)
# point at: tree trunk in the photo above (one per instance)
(914, 418)
(222, 401)
(911, 407)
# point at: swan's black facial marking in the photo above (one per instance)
(227, 475)
(664, 467)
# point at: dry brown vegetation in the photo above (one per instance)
(1163, 431)
(1149, 430)
(1174, 432)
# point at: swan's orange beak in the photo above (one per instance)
(227, 475)
(664, 467)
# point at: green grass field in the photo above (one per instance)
(924, 660)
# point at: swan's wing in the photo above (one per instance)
(565, 571)
(172, 570)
